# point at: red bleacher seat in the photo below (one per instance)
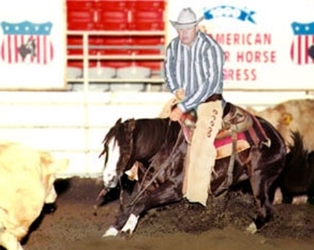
(79, 63)
(111, 5)
(148, 5)
(118, 44)
(154, 45)
(147, 20)
(117, 64)
(75, 41)
(113, 20)
(81, 20)
(80, 15)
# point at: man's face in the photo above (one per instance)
(187, 35)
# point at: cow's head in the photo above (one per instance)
(51, 167)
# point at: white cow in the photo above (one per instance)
(292, 115)
(26, 183)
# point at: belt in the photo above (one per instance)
(214, 97)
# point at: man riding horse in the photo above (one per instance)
(194, 74)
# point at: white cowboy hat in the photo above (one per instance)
(186, 19)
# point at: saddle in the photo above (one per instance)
(238, 127)
(240, 130)
(231, 139)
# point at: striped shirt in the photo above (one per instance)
(197, 69)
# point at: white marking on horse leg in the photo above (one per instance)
(301, 199)
(278, 197)
(252, 228)
(130, 224)
(111, 231)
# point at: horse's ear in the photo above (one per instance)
(118, 121)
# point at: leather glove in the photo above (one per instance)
(175, 114)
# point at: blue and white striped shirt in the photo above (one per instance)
(197, 69)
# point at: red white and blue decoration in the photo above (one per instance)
(302, 41)
(26, 42)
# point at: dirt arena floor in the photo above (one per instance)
(75, 225)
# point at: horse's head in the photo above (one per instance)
(118, 146)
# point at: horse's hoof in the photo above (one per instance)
(252, 228)
(111, 232)
(49, 208)
(301, 199)
(278, 199)
(125, 235)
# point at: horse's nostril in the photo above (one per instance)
(109, 180)
(110, 177)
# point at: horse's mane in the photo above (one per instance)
(110, 134)
(122, 132)
(135, 137)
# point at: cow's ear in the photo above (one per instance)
(51, 164)
(287, 118)
(58, 166)
(46, 157)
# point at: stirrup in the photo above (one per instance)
(187, 131)
(188, 124)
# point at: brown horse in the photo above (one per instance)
(158, 148)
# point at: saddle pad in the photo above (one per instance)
(253, 136)
(224, 146)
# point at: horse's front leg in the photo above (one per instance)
(124, 220)
(261, 192)
(168, 192)
(123, 214)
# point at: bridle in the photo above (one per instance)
(142, 190)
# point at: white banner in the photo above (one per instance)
(32, 44)
(266, 43)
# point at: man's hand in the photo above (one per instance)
(175, 114)
(180, 94)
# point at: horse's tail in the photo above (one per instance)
(298, 174)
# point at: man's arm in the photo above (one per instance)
(170, 68)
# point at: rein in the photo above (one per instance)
(162, 168)
(150, 166)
